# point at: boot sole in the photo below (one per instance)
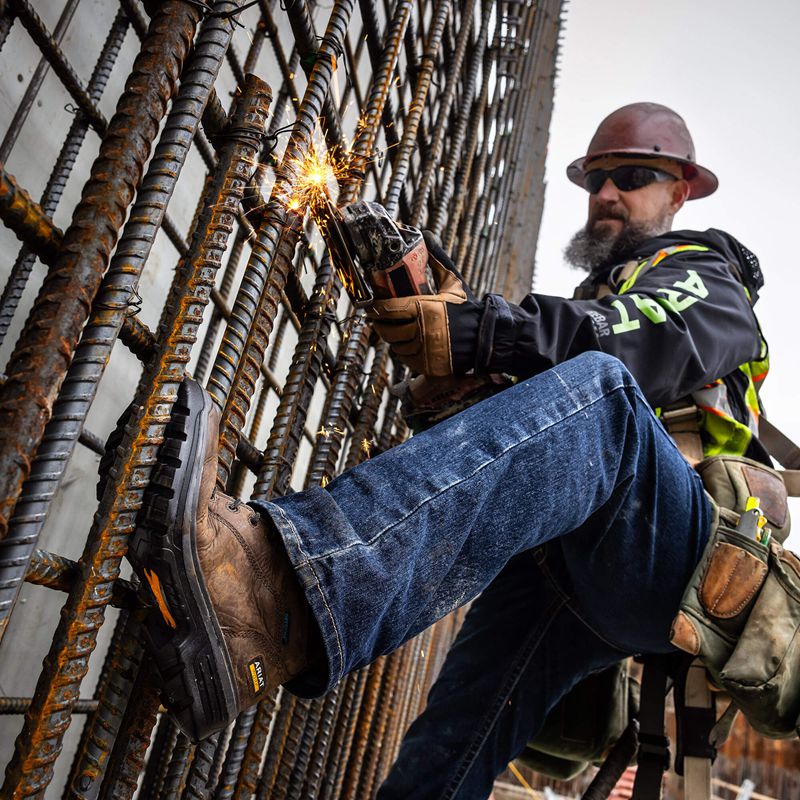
(184, 636)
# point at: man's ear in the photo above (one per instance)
(679, 193)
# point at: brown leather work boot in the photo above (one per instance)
(231, 621)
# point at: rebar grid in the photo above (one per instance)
(421, 94)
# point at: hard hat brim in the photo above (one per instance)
(702, 182)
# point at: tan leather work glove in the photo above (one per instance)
(418, 328)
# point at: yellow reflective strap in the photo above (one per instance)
(656, 259)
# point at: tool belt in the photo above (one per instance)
(740, 614)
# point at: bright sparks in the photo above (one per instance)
(318, 174)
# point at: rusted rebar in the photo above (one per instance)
(341, 745)
(116, 297)
(384, 708)
(163, 744)
(26, 218)
(62, 169)
(126, 759)
(235, 371)
(352, 690)
(57, 572)
(199, 770)
(40, 359)
(234, 754)
(441, 128)
(366, 713)
(456, 135)
(278, 742)
(247, 778)
(19, 705)
(323, 738)
(113, 694)
(306, 363)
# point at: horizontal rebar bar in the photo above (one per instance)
(26, 218)
(57, 572)
(19, 705)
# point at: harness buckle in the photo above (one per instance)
(654, 748)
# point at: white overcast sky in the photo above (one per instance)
(731, 68)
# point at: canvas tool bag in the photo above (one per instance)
(581, 729)
(740, 614)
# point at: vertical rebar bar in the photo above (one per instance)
(102, 727)
(111, 308)
(31, 768)
(238, 363)
(306, 364)
(43, 352)
(163, 745)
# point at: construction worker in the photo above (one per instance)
(561, 503)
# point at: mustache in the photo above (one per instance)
(608, 213)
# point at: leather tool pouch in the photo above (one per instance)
(741, 611)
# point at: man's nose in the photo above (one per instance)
(608, 192)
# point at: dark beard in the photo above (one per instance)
(595, 252)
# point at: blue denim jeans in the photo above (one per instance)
(573, 456)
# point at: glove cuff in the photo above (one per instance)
(463, 323)
(496, 336)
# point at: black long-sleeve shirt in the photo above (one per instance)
(684, 323)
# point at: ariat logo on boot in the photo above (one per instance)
(256, 669)
(155, 588)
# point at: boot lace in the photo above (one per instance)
(237, 503)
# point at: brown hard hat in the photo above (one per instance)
(649, 130)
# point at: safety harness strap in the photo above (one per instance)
(653, 757)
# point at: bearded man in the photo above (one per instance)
(561, 503)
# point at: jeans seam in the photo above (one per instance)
(308, 562)
(624, 387)
(492, 713)
(625, 651)
(569, 605)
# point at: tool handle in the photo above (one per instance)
(409, 276)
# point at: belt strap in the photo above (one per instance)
(682, 421)
(653, 757)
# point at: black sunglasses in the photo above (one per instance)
(625, 178)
